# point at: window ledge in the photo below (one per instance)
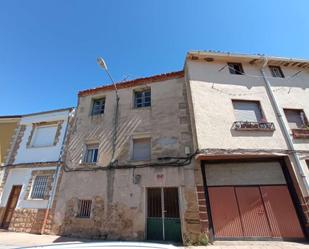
(84, 164)
(301, 133)
(142, 108)
(253, 126)
(137, 162)
(39, 147)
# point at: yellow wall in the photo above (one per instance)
(7, 129)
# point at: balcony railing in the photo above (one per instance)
(302, 133)
(253, 126)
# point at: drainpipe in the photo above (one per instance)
(57, 174)
(283, 126)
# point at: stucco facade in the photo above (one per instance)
(119, 192)
(212, 88)
(25, 163)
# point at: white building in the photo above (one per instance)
(249, 118)
(32, 171)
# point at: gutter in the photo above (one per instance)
(283, 126)
(57, 174)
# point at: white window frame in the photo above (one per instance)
(35, 134)
(89, 147)
(33, 187)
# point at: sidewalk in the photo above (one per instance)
(9, 240)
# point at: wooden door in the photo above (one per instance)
(10, 206)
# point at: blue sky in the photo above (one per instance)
(48, 49)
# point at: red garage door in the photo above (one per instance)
(254, 211)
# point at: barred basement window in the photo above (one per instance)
(84, 208)
(39, 187)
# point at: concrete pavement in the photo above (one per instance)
(9, 240)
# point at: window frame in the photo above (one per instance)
(150, 149)
(33, 187)
(258, 102)
(91, 147)
(79, 209)
(276, 74)
(36, 128)
(93, 101)
(143, 97)
(235, 71)
(304, 119)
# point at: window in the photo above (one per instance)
(248, 111)
(39, 187)
(235, 68)
(296, 118)
(84, 208)
(98, 106)
(141, 149)
(44, 136)
(91, 154)
(276, 71)
(142, 98)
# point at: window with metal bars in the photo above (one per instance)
(235, 68)
(98, 106)
(84, 208)
(276, 71)
(142, 98)
(39, 187)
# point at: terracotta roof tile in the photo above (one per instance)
(132, 83)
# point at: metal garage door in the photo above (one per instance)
(256, 202)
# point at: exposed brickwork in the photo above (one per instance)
(202, 209)
(49, 173)
(27, 220)
(17, 143)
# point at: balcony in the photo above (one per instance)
(253, 126)
(301, 133)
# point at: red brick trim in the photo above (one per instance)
(132, 83)
(202, 208)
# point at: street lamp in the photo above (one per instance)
(103, 65)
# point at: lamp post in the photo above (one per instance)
(103, 65)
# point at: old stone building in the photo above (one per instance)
(249, 121)
(129, 172)
(31, 171)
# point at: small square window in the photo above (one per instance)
(84, 208)
(142, 98)
(276, 71)
(91, 155)
(296, 118)
(39, 187)
(235, 68)
(141, 149)
(250, 111)
(44, 136)
(98, 106)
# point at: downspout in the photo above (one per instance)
(57, 174)
(283, 126)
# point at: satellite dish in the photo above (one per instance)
(101, 63)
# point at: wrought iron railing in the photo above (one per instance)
(253, 126)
